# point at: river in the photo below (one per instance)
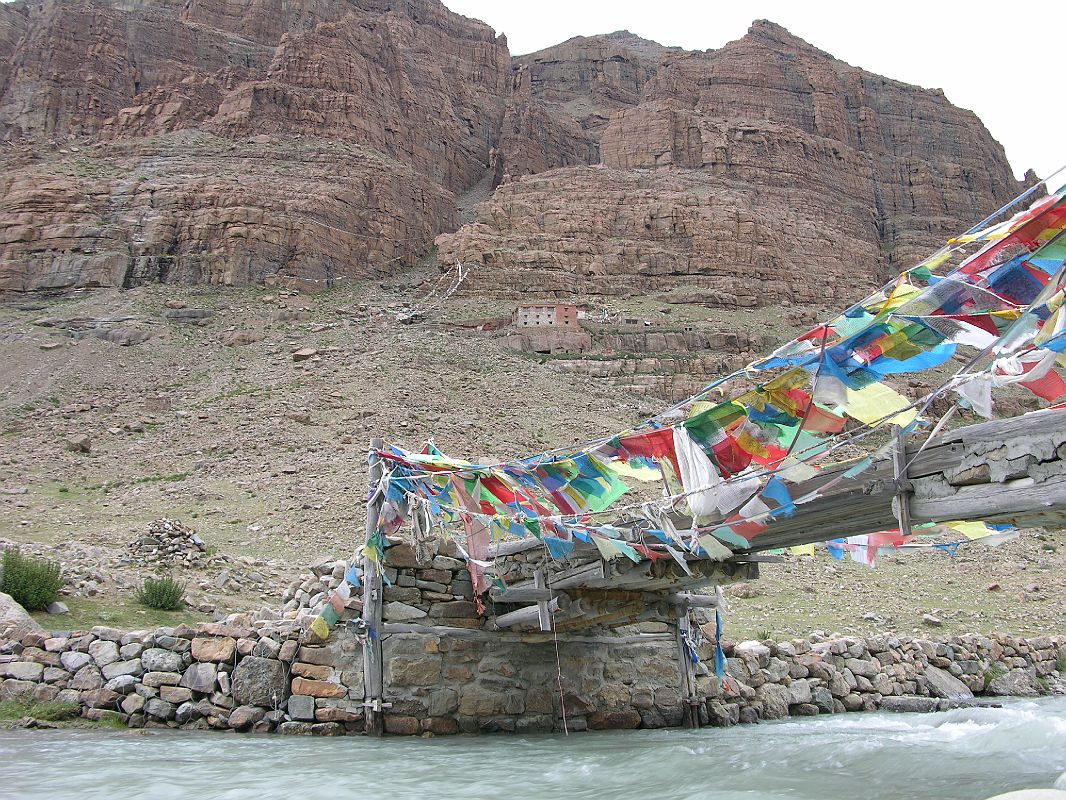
(967, 753)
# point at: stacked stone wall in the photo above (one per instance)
(275, 678)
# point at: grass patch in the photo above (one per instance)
(51, 711)
(85, 612)
(1060, 664)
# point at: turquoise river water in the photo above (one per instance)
(968, 753)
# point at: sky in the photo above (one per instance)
(1004, 68)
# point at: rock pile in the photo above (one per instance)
(169, 543)
(435, 585)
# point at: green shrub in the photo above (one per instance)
(763, 635)
(33, 582)
(165, 594)
(1060, 664)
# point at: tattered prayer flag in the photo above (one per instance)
(680, 559)
(877, 402)
(319, 628)
(337, 603)
(713, 549)
(726, 534)
(352, 575)
(971, 529)
(859, 467)
(343, 591)
(802, 550)
(778, 492)
(606, 547)
(558, 548)
(719, 652)
(330, 615)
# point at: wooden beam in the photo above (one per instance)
(525, 594)
(902, 502)
(536, 637)
(532, 614)
(373, 671)
(544, 614)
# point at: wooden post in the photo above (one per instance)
(903, 485)
(544, 614)
(373, 669)
(690, 716)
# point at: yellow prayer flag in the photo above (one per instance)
(802, 550)
(320, 628)
(875, 402)
(971, 529)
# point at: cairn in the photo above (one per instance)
(169, 543)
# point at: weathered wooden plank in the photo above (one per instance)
(373, 669)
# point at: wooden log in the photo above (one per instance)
(373, 671)
(689, 600)
(689, 714)
(531, 615)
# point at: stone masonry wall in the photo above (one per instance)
(271, 673)
(223, 676)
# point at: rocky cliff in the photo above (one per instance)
(740, 172)
(228, 142)
(235, 142)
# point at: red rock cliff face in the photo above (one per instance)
(230, 141)
(742, 171)
(234, 141)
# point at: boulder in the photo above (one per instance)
(73, 661)
(200, 677)
(15, 622)
(156, 659)
(302, 707)
(243, 717)
(78, 443)
(944, 684)
(212, 649)
(909, 704)
(774, 699)
(22, 670)
(1016, 683)
(260, 682)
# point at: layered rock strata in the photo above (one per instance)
(763, 163)
(218, 143)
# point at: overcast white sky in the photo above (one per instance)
(1008, 69)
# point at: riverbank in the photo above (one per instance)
(275, 676)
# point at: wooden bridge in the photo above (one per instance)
(1002, 471)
